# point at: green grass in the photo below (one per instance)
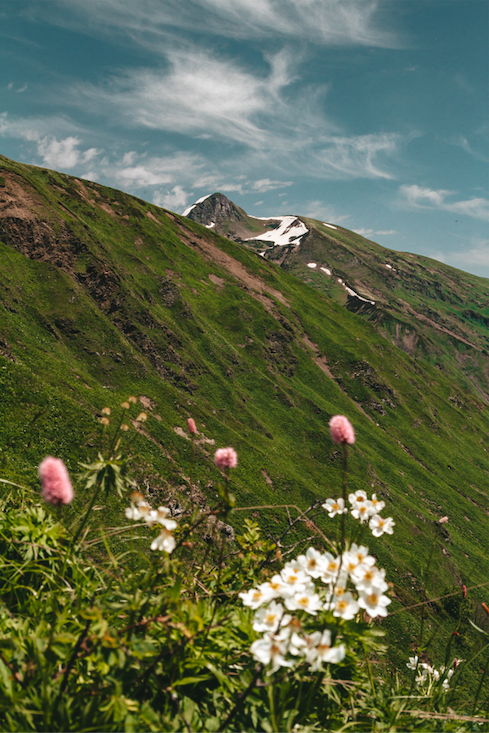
(93, 319)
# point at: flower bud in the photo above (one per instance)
(341, 430)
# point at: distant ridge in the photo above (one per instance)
(430, 310)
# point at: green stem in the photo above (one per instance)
(480, 686)
(272, 710)
(343, 516)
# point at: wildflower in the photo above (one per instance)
(361, 554)
(165, 541)
(139, 508)
(464, 591)
(373, 601)
(341, 430)
(192, 427)
(271, 649)
(377, 505)
(55, 481)
(125, 405)
(485, 607)
(443, 520)
(105, 420)
(379, 526)
(345, 606)
(413, 663)
(105, 411)
(323, 652)
(226, 458)
(160, 516)
(270, 618)
(334, 507)
(274, 588)
(253, 598)
(305, 601)
(359, 497)
(124, 427)
(142, 417)
(312, 563)
(331, 569)
(362, 511)
(132, 399)
(367, 576)
(294, 579)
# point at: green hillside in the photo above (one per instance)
(105, 295)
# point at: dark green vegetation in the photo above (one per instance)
(105, 295)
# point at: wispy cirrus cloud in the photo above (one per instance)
(427, 198)
(148, 22)
(215, 98)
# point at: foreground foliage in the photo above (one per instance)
(172, 630)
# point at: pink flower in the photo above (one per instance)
(341, 430)
(55, 481)
(226, 458)
(464, 591)
(191, 425)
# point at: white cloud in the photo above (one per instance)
(265, 184)
(200, 94)
(197, 94)
(367, 232)
(140, 171)
(320, 210)
(357, 155)
(59, 153)
(173, 200)
(476, 254)
(427, 198)
(150, 22)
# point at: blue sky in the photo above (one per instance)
(371, 114)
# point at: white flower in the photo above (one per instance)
(253, 598)
(378, 525)
(359, 497)
(160, 516)
(306, 601)
(274, 588)
(138, 511)
(413, 663)
(367, 576)
(361, 553)
(334, 507)
(361, 511)
(294, 579)
(271, 649)
(165, 541)
(344, 606)
(323, 652)
(312, 563)
(270, 618)
(331, 567)
(377, 505)
(373, 601)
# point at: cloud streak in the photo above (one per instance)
(338, 22)
(418, 197)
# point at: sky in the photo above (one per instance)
(368, 114)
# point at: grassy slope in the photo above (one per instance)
(119, 303)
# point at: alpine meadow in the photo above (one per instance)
(269, 506)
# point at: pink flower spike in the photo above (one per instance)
(464, 591)
(192, 427)
(226, 458)
(55, 481)
(341, 430)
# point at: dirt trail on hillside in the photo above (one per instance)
(251, 283)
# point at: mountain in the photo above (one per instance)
(431, 311)
(104, 295)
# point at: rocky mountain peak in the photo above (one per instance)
(215, 208)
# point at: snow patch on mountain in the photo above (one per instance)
(326, 270)
(312, 265)
(187, 211)
(290, 231)
(329, 225)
